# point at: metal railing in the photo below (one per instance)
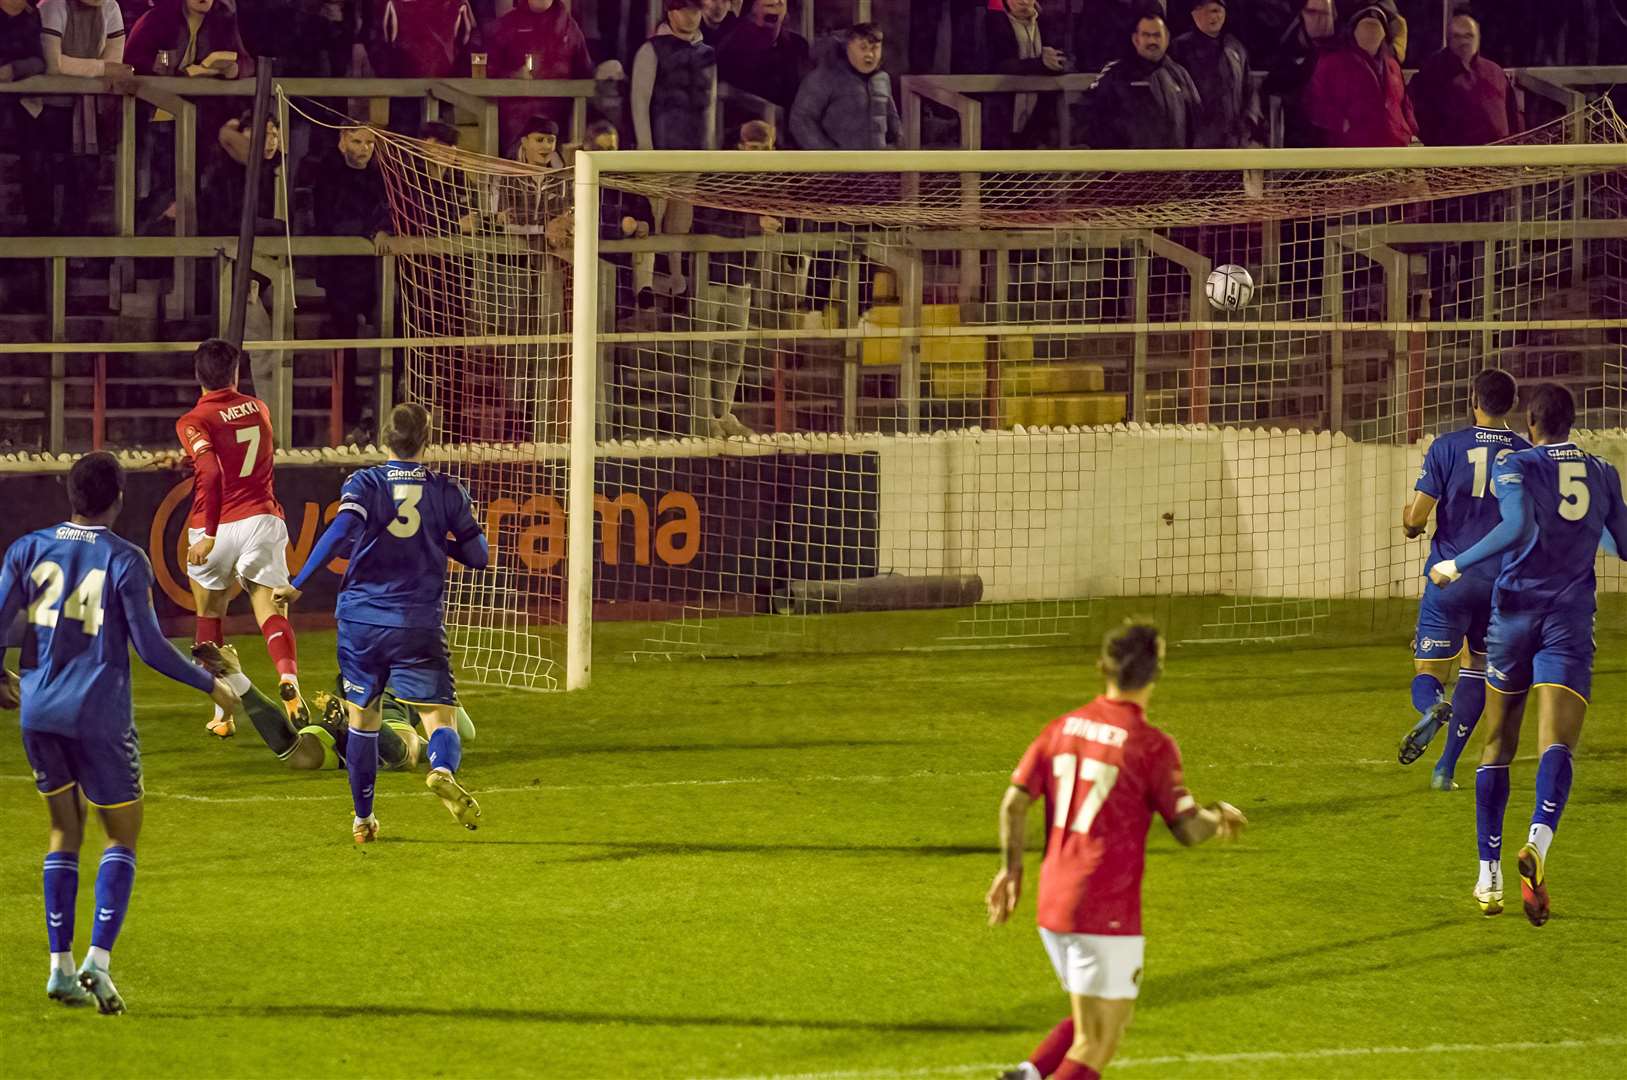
(1565, 88)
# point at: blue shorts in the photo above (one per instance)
(412, 661)
(1537, 648)
(1447, 616)
(107, 768)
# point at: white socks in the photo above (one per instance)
(1491, 877)
(62, 962)
(98, 958)
(1541, 836)
(239, 683)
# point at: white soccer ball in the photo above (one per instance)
(1229, 288)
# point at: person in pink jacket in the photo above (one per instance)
(1356, 97)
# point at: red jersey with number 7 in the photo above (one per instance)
(228, 437)
(1104, 771)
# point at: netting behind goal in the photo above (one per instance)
(946, 410)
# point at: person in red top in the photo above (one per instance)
(1461, 98)
(539, 39)
(1103, 771)
(1356, 95)
(236, 530)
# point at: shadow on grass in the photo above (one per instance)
(773, 746)
(1236, 977)
(348, 1011)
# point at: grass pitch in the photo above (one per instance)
(776, 867)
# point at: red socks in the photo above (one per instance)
(1072, 1070)
(209, 632)
(280, 644)
(1048, 1057)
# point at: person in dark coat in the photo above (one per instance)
(1219, 65)
(673, 93)
(1013, 44)
(674, 84)
(717, 21)
(1459, 97)
(21, 57)
(762, 56)
(1308, 38)
(348, 199)
(1145, 101)
(847, 103)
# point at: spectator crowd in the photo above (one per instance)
(1172, 74)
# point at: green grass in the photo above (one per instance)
(776, 867)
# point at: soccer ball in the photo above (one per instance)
(1229, 288)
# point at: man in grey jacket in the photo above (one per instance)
(847, 102)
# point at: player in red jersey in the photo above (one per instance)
(1103, 771)
(236, 531)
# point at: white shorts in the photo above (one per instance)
(1097, 965)
(254, 549)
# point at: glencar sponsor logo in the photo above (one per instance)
(68, 532)
(1494, 436)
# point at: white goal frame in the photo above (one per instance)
(586, 338)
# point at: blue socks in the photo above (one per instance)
(1490, 803)
(114, 880)
(1426, 691)
(1468, 701)
(61, 893)
(362, 762)
(1553, 786)
(445, 749)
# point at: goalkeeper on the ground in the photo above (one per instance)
(321, 744)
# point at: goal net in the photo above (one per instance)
(870, 410)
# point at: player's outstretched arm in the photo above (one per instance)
(1008, 883)
(1515, 520)
(1217, 819)
(336, 542)
(155, 650)
(1615, 520)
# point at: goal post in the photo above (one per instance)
(947, 400)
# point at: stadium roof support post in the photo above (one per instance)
(583, 377)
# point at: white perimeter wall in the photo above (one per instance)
(1160, 511)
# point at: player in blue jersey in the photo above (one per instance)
(1557, 502)
(86, 596)
(398, 523)
(1455, 484)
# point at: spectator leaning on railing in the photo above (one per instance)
(539, 39)
(847, 103)
(82, 38)
(762, 56)
(225, 180)
(1356, 97)
(1013, 44)
(193, 38)
(22, 56)
(1459, 97)
(1145, 101)
(1219, 66)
